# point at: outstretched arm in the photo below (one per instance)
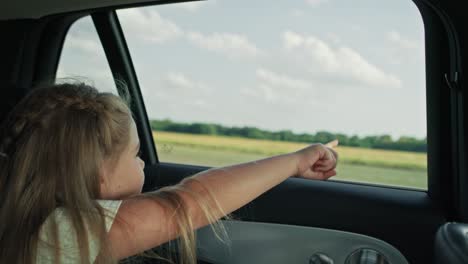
(148, 223)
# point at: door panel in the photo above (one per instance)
(253, 242)
(406, 219)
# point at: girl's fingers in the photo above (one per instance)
(329, 174)
(324, 175)
(324, 168)
(318, 175)
(332, 144)
(327, 164)
(334, 153)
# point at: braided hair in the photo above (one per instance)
(52, 145)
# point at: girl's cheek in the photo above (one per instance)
(141, 166)
(142, 163)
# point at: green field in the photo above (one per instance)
(396, 168)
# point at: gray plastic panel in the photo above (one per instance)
(252, 242)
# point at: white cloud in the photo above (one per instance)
(292, 40)
(396, 38)
(342, 62)
(280, 80)
(229, 44)
(83, 44)
(278, 88)
(175, 91)
(182, 83)
(148, 25)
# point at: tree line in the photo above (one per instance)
(375, 142)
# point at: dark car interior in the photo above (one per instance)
(425, 226)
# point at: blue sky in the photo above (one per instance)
(352, 67)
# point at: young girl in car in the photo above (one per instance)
(71, 180)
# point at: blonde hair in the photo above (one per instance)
(52, 146)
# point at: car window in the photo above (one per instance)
(83, 58)
(232, 81)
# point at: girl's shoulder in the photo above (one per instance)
(60, 220)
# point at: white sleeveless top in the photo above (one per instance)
(67, 236)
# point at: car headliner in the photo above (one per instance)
(30, 9)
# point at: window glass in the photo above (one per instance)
(83, 58)
(231, 81)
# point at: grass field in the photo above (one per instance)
(396, 168)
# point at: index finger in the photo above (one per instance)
(332, 144)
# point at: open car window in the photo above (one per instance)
(224, 85)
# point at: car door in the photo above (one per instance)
(405, 218)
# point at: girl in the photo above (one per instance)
(71, 182)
